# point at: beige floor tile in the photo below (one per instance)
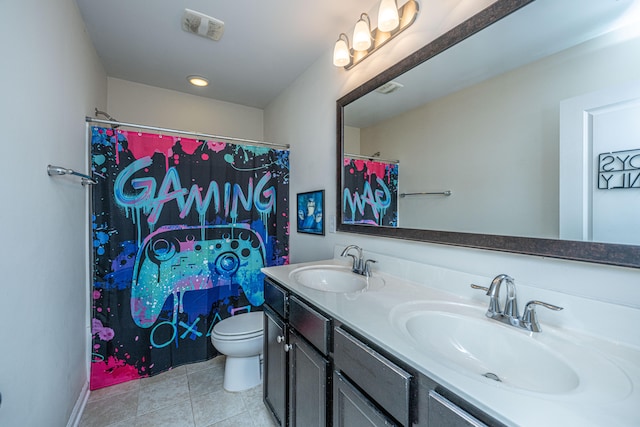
(189, 396)
(253, 402)
(160, 394)
(216, 361)
(261, 417)
(105, 392)
(103, 412)
(171, 373)
(129, 422)
(206, 381)
(214, 407)
(241, 420)
(179, 415)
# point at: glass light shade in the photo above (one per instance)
(388, 18)
(341, 53)
(198, 81)
(361, 36)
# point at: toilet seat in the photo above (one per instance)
(240, 327)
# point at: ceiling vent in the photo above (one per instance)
(202, 25)
(389, 87)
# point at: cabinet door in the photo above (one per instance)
(308, 371)
(275, 367)
(443, 412)
(352, 409)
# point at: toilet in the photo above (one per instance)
(240, 339)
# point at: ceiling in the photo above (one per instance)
(266, 45)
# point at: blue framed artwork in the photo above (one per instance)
(310, 212)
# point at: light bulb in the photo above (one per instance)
(198, 81)
(388, 19)
(341, 53)
(362, 34)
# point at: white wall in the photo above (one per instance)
(495, 144)
(50, 80)
(141, 104)
(305, 117)
(351, 139)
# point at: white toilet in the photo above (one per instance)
(240, 339)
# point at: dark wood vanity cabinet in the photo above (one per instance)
(274, 375)
(318, 372)
(296, 359)
(308, 370)
(275, 352)
(386, 390)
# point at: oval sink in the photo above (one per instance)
(510, 357)
(329, 278)
(461, 338)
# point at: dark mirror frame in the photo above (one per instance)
(603, 253)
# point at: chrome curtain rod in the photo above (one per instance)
(437, 193)
(371, 158)
(186, 133)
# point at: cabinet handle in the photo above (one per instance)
(280, 339)
(287, 347)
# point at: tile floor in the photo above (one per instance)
(189, 396)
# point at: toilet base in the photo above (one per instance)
(241, 373)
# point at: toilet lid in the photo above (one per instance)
(241, 324)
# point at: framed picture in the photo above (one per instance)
(311, 212)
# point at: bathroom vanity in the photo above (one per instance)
(381, 351)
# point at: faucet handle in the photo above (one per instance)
(354, 266)
(366, 270)
(480, 288)
(530, 318)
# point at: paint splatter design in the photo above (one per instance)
(370, 194)
(180, 229)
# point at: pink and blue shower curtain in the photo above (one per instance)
(370, 192)
(181, 228)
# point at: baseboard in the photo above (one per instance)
(76, 414)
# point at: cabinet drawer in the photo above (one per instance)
(352, 408)
(276, 298)
(444, 412)
(310, 323)
(384, 381)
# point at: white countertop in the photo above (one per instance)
(596, 401)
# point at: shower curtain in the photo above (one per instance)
(370, 192)
(181, 228)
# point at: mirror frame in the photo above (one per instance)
(595, 252)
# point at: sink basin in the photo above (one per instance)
(331, 278)
(461, 338)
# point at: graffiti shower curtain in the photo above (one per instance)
(370, 194)
(181, 228)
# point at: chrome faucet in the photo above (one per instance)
(360, 266)
(510, 315)
(510, 305)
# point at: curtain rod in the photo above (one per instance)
(182, 132)
(371, 158)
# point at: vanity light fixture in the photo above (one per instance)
(388, 17)
(198, 81)
(362, 34)
(391, 22)
(341, 54)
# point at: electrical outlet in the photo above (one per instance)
(332, 224)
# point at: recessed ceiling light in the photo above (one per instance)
(198, 81)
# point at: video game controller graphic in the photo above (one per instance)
(176, 259)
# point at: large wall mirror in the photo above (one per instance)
(517, 131)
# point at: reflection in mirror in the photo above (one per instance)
(370, 194)
(527, 123)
